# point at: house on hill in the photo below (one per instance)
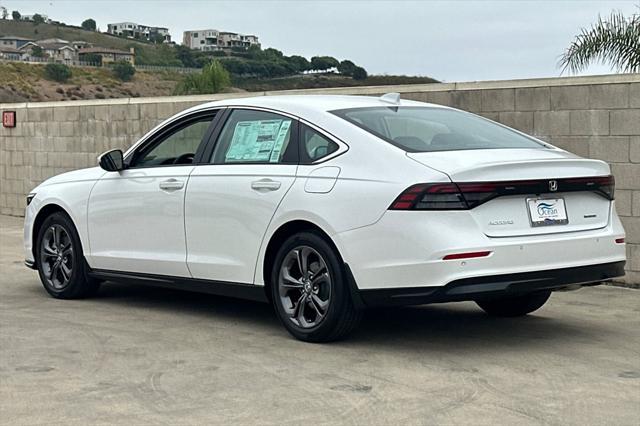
(13, 42)
(212, 40)
(108, 55)
(139, 31)
(59, 50)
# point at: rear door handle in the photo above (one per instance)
(171, 185)
(265, 185)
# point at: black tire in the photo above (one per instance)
(514, 306)
(341, 316)
(78, 284)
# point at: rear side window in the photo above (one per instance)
(256, 137)
(425, 129)
(315, 145)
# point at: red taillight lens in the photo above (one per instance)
(435, 196)
(603, 185)
(620, 240)
(468, 255)
(467, 195)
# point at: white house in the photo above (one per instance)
(138, 31)
(211, 40)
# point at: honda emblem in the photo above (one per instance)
(553, 185)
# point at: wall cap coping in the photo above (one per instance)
(358, 90)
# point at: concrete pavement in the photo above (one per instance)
(136, 355)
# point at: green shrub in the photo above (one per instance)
(57, 72)
(123, 70)
(214, 78)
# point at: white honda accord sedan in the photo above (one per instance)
(326, 205)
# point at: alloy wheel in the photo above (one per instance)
(56, 257)
(304, 287)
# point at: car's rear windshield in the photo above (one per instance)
(427, 129)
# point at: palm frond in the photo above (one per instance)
(615, 41)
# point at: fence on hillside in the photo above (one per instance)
(73, 63)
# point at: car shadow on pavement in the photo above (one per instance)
(436, 327)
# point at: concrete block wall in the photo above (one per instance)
(595, 117)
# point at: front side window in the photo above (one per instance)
(178, 146)
(315, 146)
(426, 129)
(259, 137)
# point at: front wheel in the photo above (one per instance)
(310, 292)
(60, 260)
(514, 306)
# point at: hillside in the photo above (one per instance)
(146, 53)
(270, 69)
(20, 82)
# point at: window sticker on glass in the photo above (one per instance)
(258, 141)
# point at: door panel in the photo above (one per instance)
(230, 200)
(227, 211)
(136, 221)
(136, 216)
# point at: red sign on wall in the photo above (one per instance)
(8, 118)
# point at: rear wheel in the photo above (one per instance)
(60, 260)
(310, 292)
(514, 306)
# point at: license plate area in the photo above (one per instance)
(547, 211)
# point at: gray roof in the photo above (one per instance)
(15, 38)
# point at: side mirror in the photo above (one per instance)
(112, 161)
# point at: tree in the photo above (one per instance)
(359, 73)
(38, 19)
(214, 78)
(323, 63)
(615, 41)
(156, 38)
(185, 55)
(89, 24)
(271, 54)
(37, 52)
(123, 70)
(4, 12)
(57, 72)
(15, 15)
(346, 67)
(299, 63)
(254, 51)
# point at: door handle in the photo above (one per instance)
(265, 185)
(171, 185)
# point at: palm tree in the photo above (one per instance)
(615, 41)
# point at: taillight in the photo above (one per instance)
(467, 195)
(444, 196)
(603, 185)
(435, 196)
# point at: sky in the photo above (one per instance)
(447, 40)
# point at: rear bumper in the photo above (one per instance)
(408, 249)
(494, 285)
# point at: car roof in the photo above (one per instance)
(296, 104)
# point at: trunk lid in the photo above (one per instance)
(510, 215)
